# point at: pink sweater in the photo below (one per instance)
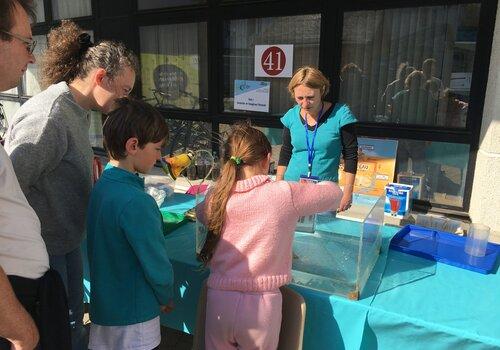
(255, 250)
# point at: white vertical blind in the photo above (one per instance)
(62, 9)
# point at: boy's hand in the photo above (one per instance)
(167, 308)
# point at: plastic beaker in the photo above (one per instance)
(395, 205)
(477, 239)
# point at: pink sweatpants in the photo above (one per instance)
(238, 320)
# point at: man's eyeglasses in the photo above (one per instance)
(30, 43)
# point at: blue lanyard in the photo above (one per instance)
(310, 146)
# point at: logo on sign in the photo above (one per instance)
(273, 60)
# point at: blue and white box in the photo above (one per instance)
(398, 200)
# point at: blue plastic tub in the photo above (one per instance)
(443, 247)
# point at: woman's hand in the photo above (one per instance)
(345, 202)
(280, 172)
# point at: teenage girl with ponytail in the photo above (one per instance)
(251, 221)
(49, 145)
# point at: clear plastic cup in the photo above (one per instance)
(477, 239)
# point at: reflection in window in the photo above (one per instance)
(174, 65)
(411, 65)
(188, 135)
(240, 38)
(439, 167)
(156, 4)
(62, 9)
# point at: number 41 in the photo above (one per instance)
(269, 61)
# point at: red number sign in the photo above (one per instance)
(273, 60)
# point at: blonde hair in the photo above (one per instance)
(248, 145)
(310, 77)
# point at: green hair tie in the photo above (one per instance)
(236, 160)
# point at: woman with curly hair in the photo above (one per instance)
(49, 146)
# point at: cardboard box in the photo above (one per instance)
(376, 166)
(398, 200)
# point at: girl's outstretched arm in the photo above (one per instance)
(309, 198)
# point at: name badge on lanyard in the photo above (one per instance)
(308, 179)
(310, 144)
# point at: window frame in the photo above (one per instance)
(105, 20)
(468, 135)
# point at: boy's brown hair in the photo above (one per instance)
(133, 118)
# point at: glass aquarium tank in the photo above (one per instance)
(339, 254)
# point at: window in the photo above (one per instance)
(7, 110)
(95, 129)
(439, 168)
(188, 135)
(240, 38)
(31, 80)
(405, 71)
(62, 9)
(410, 65)
(174, 65)
(12, 91)
(274, 135)
(39, 10)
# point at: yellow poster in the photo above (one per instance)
(376, 166)
(171, 81)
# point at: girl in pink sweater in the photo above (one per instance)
(251, 221)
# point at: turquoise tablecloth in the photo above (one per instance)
(408, 303)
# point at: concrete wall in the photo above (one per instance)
(485, 200)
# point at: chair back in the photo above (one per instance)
(292, 321)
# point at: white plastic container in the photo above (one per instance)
(477, 239)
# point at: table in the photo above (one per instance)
(408, 302)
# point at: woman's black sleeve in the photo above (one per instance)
(349, 147)
(286, 148)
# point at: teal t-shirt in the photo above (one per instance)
(327, 146)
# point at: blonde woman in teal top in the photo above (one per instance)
(315, 134)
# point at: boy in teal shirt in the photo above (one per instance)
(130, 272)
